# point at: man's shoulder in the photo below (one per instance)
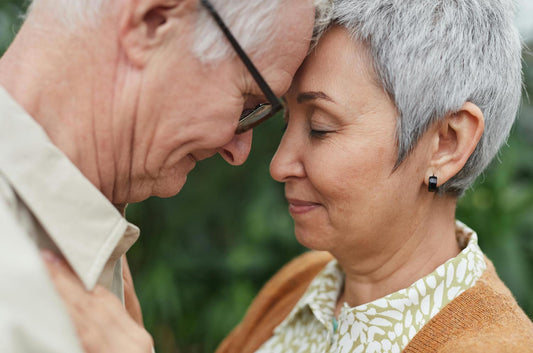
(17, 226)
(8, 198)
(21, 268)
(32, 316)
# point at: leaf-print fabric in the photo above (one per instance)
(384, 325)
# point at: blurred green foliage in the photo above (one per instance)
(204, 254)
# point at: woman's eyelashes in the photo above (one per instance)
(315, 133)
(319, 129)
(314, 129)
(320, 124)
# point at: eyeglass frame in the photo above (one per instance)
(274, 103)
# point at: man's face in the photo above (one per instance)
(188, 110)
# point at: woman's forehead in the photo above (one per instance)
(338, 66)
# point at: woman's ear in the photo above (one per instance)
(145, 24)
(454, 141)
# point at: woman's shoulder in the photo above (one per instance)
(301, 270)
(274, 302)
(286, 287)
(485, 318)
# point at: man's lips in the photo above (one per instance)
(297, 206)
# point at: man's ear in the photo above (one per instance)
(454, 141)
(145, 24)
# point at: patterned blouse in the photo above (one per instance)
(384, 325)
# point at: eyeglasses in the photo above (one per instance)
(263, 111)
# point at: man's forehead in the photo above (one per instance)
(294, 28)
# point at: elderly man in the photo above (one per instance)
(103, 103)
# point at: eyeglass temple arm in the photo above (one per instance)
(247, 62)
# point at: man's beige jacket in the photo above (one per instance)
(45, 202)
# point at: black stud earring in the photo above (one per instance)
(432, 184)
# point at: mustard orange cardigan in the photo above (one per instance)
(485, 318)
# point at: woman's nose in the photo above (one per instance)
(287, 163)
(237, 150)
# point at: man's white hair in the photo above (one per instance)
(252, 22)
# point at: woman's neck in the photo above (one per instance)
(412, 250)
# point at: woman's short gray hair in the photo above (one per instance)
(432, 56)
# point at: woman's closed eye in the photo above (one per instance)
(318, 133)
(320, 124)
(312, 132)
(319, 129)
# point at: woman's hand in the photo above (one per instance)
(130, 297)
(102, 323)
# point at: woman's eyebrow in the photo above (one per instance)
(312, 95)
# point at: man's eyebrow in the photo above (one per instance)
(312, 95)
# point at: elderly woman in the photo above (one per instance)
(400, 106)
(396, 112)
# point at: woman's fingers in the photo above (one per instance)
(67, 283)
(130, 297)
(102, 323)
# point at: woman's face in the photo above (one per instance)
(338, 153)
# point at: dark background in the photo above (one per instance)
(205, 253)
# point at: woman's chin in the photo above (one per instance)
(312, 239)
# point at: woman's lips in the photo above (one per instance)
(297, 207)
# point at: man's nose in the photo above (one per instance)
(237, 150)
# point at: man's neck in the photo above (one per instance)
(46, 80)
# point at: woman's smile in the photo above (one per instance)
(298, 207)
